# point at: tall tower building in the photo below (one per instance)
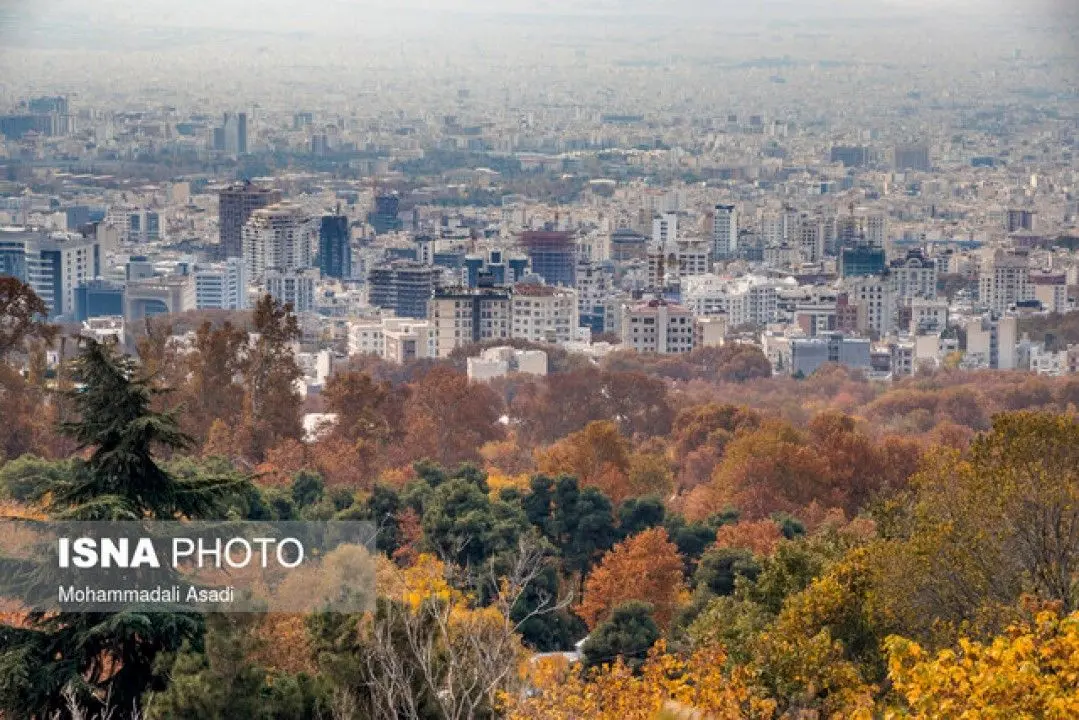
(277, 237)
(235, 133)
(724, 232)
(552, 254)
(334, 253)
(235, 205)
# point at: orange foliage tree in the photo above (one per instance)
(597, 456)
(645, 567)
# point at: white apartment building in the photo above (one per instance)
(1004, 281)
(221, 285)
(279, 236)
(992, 343)
(750, 299)
(392, 338)
(927, 314)
(294, 286)
(914, 276)
(876, 230)
(657, 326)
(542, 313)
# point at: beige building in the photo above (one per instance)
(460, 316)
(542, 313)
(1004, 281)
(657, 326)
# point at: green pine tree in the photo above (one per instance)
(108, 657)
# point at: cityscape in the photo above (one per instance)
(678, 352)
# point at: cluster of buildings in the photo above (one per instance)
(885, 246)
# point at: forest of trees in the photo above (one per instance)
(728, 544)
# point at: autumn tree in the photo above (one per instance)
(214, 366)
(370, 418)
(22, 316)
(449, 419)
(108, 655)
(771, 469)
(598, 455)
(1028, 671)
(645, 567)
(984, 528)
(702, 684)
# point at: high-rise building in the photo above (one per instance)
(552, 254)
(234, 134)
(403, 286)
(862, 259)
(851, 156)
(914, 276)
(460, 316)
(385, 218)
(235, 205)
(55, 265)
(724, 232)
(334, 252)
(664, 228)
(221, 285)
(279, 236)
(292, 286)
(874, 294)
(811, 239)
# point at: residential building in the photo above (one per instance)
(808, 354)
(724, 232)
(403, 286)
(874, 293)
(914, 276)
(991, 342)
(292, 286)
(498, 362)
(222, 285)
(657, 326)
(541, 313)
(461, 316)
(280, 237)
(1051, 290)
(1004, 281)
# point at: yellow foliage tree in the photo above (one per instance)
(696, 685)
(1031, 671)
